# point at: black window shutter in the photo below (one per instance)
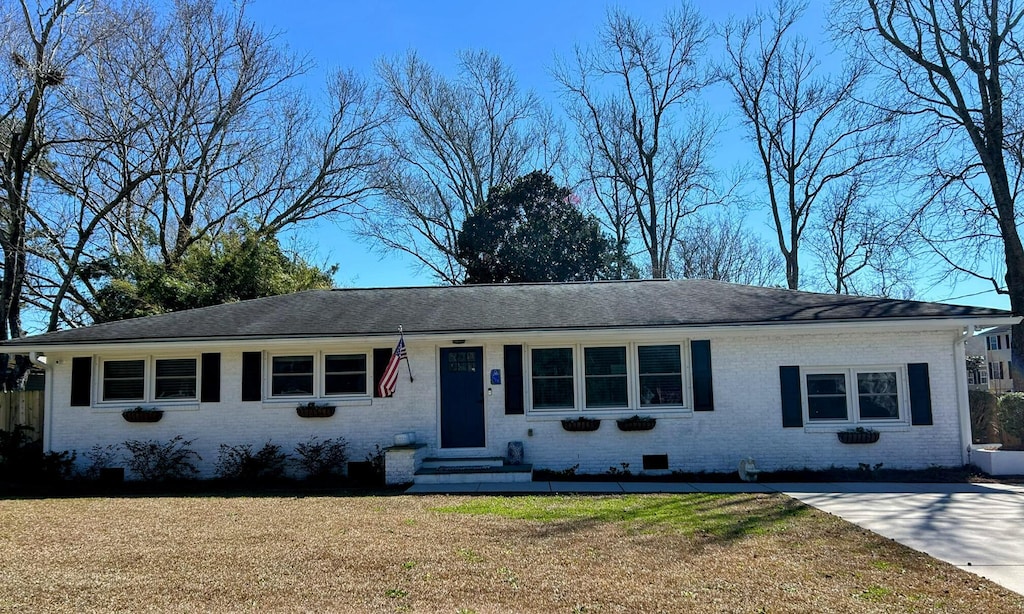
(513, 379)
(381, 356)
(252, 376)
(211, 378)
(81, 381)
(700, 364)
(792, 406)
(920, 394)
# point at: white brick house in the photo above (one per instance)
(727, 371)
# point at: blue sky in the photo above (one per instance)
(527, 34)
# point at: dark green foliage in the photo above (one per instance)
(241, 463)
(1010, 415)
(239, 265)
(377, 463)
(322, 459)
(983, 413)
(531, 231)
(155, 461)
(23, 461)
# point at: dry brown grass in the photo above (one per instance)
(742, 553)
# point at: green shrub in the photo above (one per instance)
(1010, 416)
(322, 459)
(158, 461)
(241, 463)
(983, 414)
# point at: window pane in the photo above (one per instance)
(878, 396)
(124, 368)
(661, 390)
(661, 378)
(345, 383)
(176, 388)
(293, 364)
(345, 363)
(123, 380)
(555, 362)
(552, 393)
(284, 385)
(180, 367)
(123, 390)
(605, 376)
(826, 396)
(605, 361)
(659, 359)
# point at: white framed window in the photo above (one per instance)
(551, 378)
(993, 342)
(995, 370)
(345, 374)
(660, 374)
(604, 377)
(149, 379)
(292, 376)
(124, 380)
(982, 376)
(319, 374)
(860, 394)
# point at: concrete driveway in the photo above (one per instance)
(977, 527)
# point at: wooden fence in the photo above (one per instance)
(25, 408)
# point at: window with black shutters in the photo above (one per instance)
(344, 374)
(175, 379)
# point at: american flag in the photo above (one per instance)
(390, 378)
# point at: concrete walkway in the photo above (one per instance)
(977, 527)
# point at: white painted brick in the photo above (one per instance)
(746, 422)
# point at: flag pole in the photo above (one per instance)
(407, 365)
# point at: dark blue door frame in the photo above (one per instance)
(462, 397)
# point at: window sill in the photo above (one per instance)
(606, 414)
(843, 426)
(162, 406)
(338, 402)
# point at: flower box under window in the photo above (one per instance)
(312, 410)
(141, 414)
(859, 435)
(581, 424)
(636, 423)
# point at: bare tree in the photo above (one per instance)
(179, 128)
(43, 44)
(809, 130)
(720, 248)
(861, 248)
(634, 100)
(958, 66)
(450, 142)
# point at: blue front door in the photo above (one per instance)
(462, 397)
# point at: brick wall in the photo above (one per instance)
(746, 422)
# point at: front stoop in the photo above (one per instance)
(467, 470)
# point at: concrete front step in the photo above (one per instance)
(466, 474)
(462, 461)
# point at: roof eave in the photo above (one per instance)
(733, 328)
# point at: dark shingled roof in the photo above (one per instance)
(507, 307)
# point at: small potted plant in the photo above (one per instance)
(858, 435)
(142, 414)
(312, 410)
(636, 423)
(581, 424)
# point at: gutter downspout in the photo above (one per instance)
(962, 398)
(41, 362)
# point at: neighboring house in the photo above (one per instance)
(993, 345)
(728, 372)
